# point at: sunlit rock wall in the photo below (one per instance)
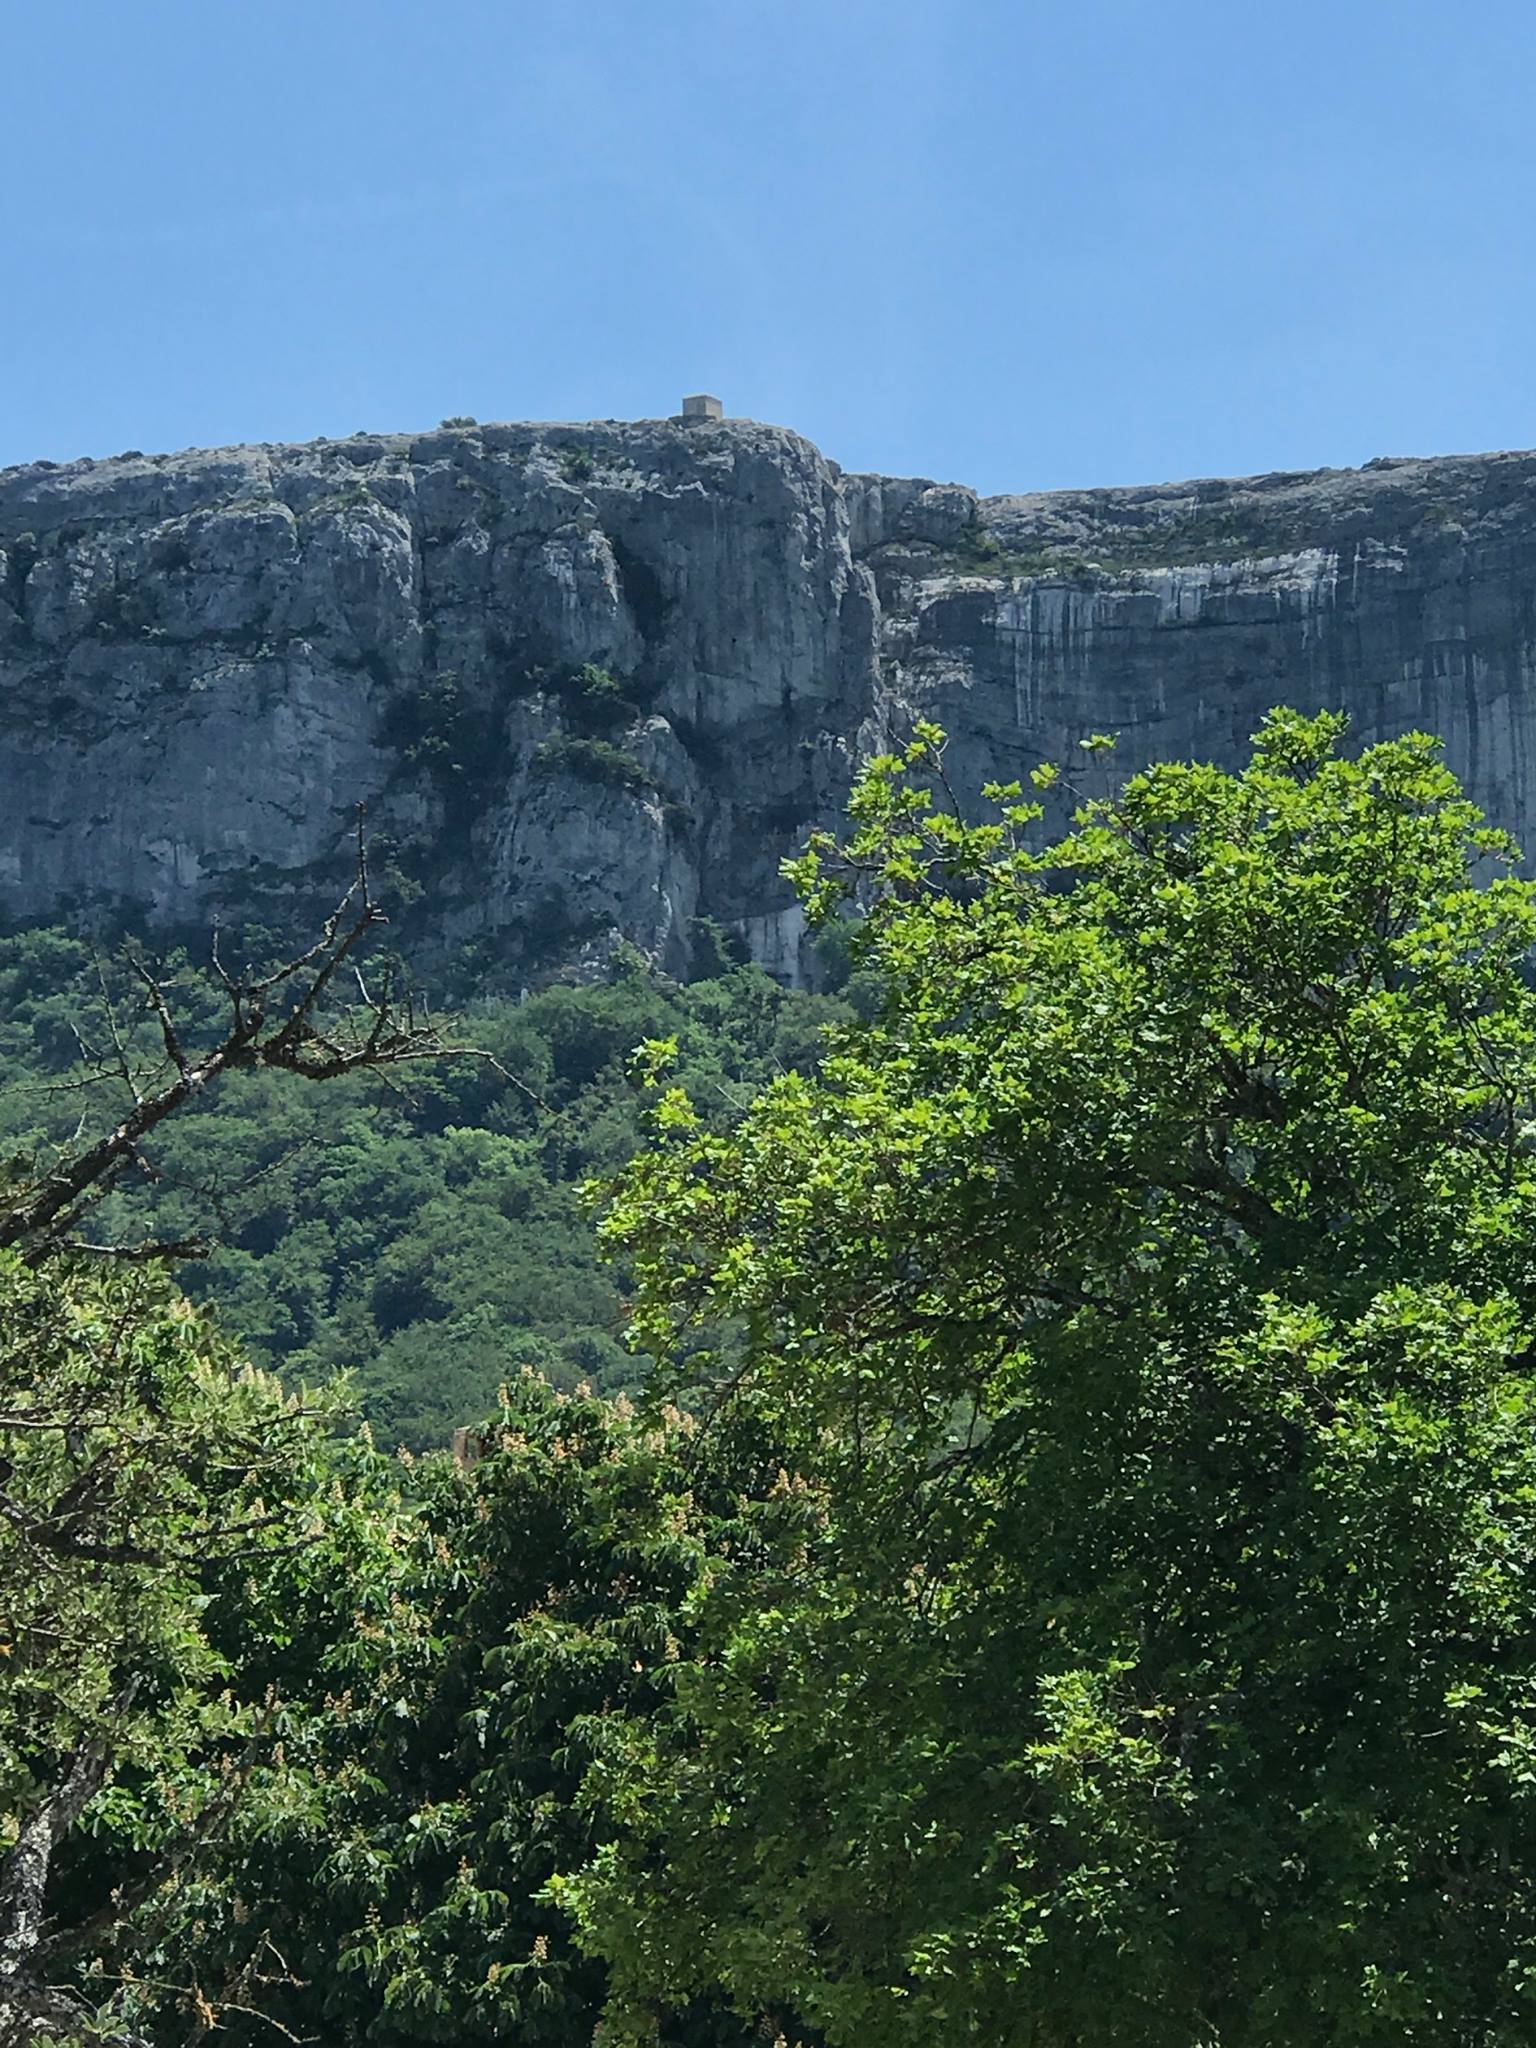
(594, 682)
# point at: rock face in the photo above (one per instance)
(598, 680)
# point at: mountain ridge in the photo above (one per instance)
(594, 680)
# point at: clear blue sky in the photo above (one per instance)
(1022, 243)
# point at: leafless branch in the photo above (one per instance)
(282, 1019)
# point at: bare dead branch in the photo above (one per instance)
(278, 1020)
(170, 1037)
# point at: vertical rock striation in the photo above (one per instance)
(598, 680)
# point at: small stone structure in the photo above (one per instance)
(701, 407)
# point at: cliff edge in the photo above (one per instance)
(597, 680)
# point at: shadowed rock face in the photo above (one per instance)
(207, 661)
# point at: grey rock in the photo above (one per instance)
(208, 661)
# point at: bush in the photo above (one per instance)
(593, 761)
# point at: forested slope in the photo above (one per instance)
(424, 1231)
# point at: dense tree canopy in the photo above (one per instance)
(543, 1610)
(187, 1551)
(1083, 1593)
(187, 1554)
(293, 1735)
(426, 1236)
(1152, 1283)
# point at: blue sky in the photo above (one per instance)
(1022, 243)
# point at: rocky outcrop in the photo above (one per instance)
(597, 680)
(1404, 593)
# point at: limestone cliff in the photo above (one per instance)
(599, 679)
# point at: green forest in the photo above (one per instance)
(421, 1229)
(997, 1504)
